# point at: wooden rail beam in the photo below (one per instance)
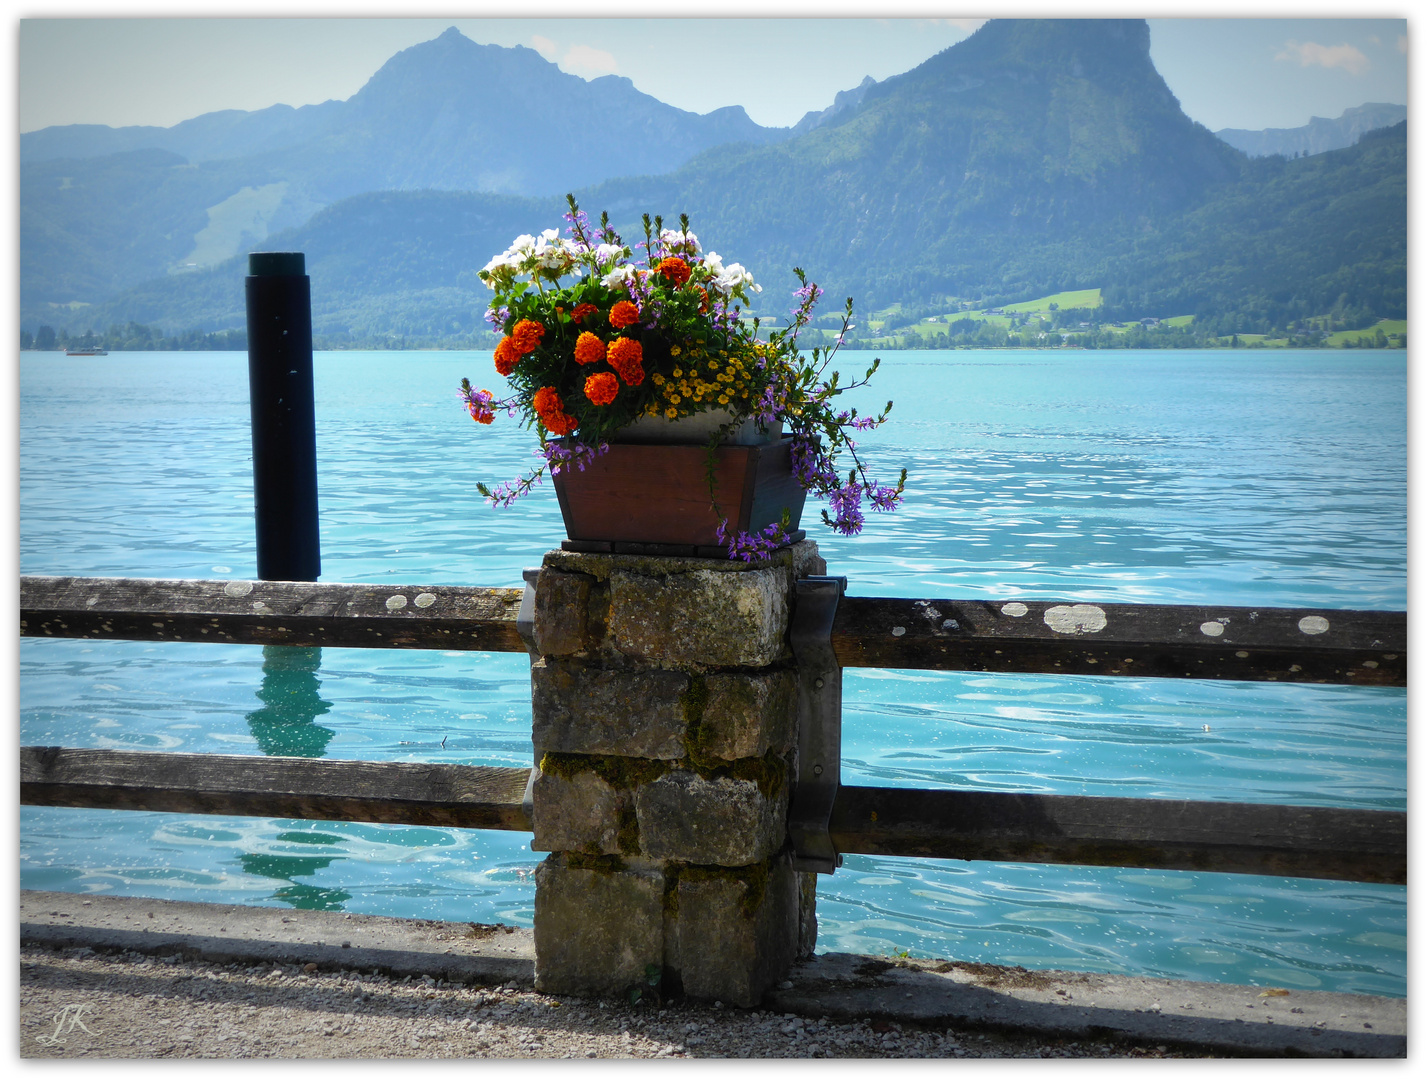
(393, 792)
(1245, 838)
(1361, 648)
(1170, 834)
(272, 613)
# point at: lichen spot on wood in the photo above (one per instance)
(1075, 618)
(1015, 609)
(1313, 624)
(424, 600)
(1211, 628)
(396, 602)
(898, 631)
(237, 588)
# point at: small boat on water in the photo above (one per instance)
(88, 350)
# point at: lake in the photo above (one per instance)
(1271, 478)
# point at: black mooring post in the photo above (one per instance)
(284, 426)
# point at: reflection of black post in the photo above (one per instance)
(284, 425)
(284, 726)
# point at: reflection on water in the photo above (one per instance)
(288, 867)
(284, 726)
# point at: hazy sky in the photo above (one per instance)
(119, 69)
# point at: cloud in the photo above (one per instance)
(544, 46)
(589, 63)
(1347, 57)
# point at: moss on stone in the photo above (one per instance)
(671, 888)
(694, 701)
(600, 864)
(620, 773)
(627, 838)
(754, 879)
(770, 772)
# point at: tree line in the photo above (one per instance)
(135, 337)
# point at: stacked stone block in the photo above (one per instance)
(665, 705)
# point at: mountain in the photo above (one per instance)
(382, 264)
(215, 136)
(447, 114)
(841, 103)
(1318, 135)
(1033, 157)
(1026, 132)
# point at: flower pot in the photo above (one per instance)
(694, 429)
(644, 499)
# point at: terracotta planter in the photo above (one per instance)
(694, 429)
(651, 499)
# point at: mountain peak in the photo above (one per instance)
(1111, 52)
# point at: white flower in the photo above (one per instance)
(675, 240)
(734, 276)
(523, 244)
(608, 253)
(550, 235)
(713, 263)
(619, 277)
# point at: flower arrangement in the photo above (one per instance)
(594, 339)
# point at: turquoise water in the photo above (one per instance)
(1168, 477)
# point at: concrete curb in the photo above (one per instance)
(1221, 1018)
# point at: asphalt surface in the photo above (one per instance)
(834, 988)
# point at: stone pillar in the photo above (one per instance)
(665, 714)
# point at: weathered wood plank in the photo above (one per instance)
(1245, 838)
(1363, 648)
(1241, 838)
(272, 613)
(402, 793)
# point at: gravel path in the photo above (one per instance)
(77, 1003)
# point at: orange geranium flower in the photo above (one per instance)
(561, 424)
(583, 311)
(527, 334)
(626, 356)
(623, 314)
(601, 387)
(674, 268)
(589, 349)
(551, 410)
(506, 356)
(547, 400)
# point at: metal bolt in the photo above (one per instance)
(817, 770)
(817, 684)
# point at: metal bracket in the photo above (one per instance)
(525, 620)
(819, 723)
(525, 627)
(527, 801)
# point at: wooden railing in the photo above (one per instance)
(1367, 648)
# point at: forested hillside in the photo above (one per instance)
(1034, 157)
